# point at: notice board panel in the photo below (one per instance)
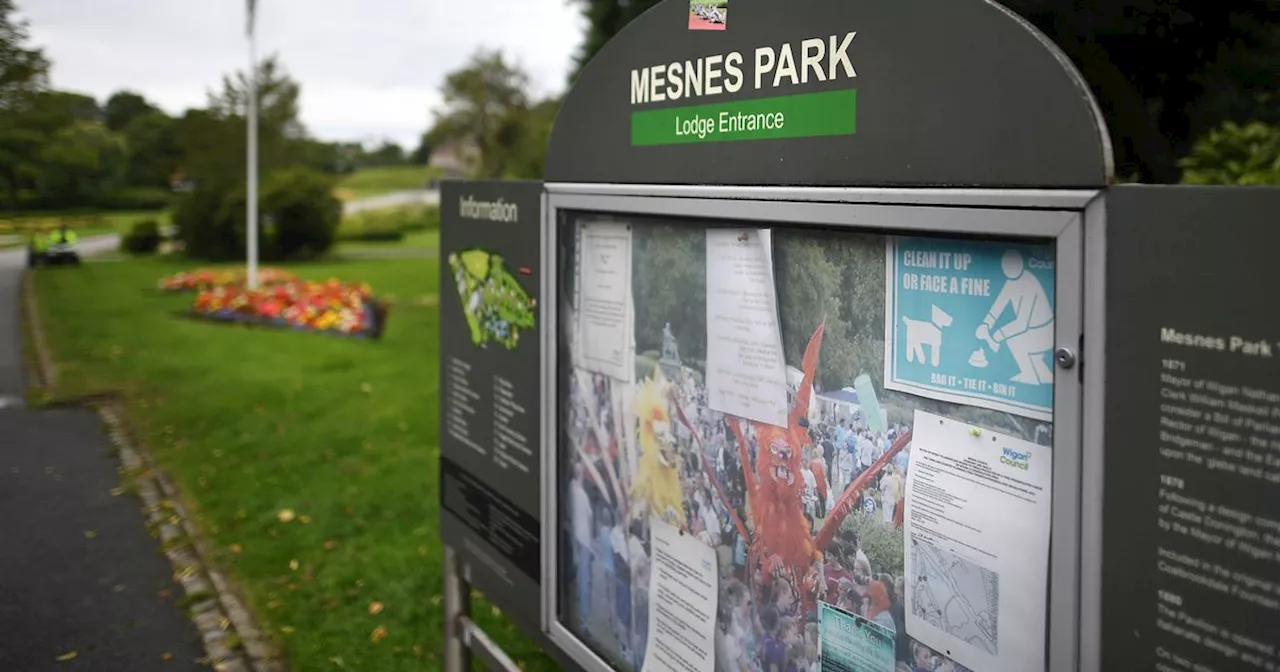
(725, 421)
(1191, 507)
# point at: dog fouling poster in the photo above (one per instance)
(971, 322)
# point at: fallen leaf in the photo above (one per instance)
(285, 515)
(304, 519)
(116, 492)
(70, 655)
(166, 656)
(89, 534)
(330, 545)
(293, 564)
(379, 633)
(435, 599)
(375, 608)
(288, 629)
(336, 660)
(235, 548)
(417, 651)
(274, 604)
(366, 388)
(164, 593)
(496, 611)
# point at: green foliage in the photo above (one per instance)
(81, 159)
(152, 139)
(488, 108)
(143, 238)
(207, 226)
(388, 225)
(1243, 154)
(373, 226)
(605, 18)
(302, 214)
(298, 218)
(882, 543)
(123, 107)
(426, 218)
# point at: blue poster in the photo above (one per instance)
(850, 643)
(971, 322)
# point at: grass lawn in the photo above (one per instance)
(368, 182)
(420, 240)
(250, 423)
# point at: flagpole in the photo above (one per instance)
(251, 207)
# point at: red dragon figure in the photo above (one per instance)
(780, 540)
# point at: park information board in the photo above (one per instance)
(490, 377)
(1191, 533)
(715, 509)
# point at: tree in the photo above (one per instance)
(1167, 72)
(23, 74)
(81, 159)
(213, 141)
(485, 105)
(125, 106)
(386, 154)
(532, 155)
(422, 153)
(605, 18)
(154, 153)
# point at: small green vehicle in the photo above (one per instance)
(56, 248)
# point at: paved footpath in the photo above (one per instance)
(82, 584)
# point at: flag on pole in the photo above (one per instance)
(251, 7)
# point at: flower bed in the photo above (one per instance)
(329, 307)
(207, 278)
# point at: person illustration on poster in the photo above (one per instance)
(1029, 334)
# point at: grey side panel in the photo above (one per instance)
(1191, 503)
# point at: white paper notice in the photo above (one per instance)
(746, 372)
(977, 545)
(683, 587)
(604, 300)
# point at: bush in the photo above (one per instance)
(143, 238)
(302, 212)
(426, 218)
(298, 218)
(373, 226)
(1247, 154)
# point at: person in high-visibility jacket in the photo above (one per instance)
(62, 236)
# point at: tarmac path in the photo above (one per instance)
(82, 584)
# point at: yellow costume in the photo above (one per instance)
(657, 481)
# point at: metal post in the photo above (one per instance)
(251, 206)
(457, 609)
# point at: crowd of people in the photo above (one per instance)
(765, 623)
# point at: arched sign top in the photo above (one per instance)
(890, 93)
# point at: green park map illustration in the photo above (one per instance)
(497, 308)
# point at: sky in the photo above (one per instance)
(369, 69)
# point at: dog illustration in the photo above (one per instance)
(921, 333)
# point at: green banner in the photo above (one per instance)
(806, 115)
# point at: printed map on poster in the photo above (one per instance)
(956, 595)
(971, 322)
(496, 307)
